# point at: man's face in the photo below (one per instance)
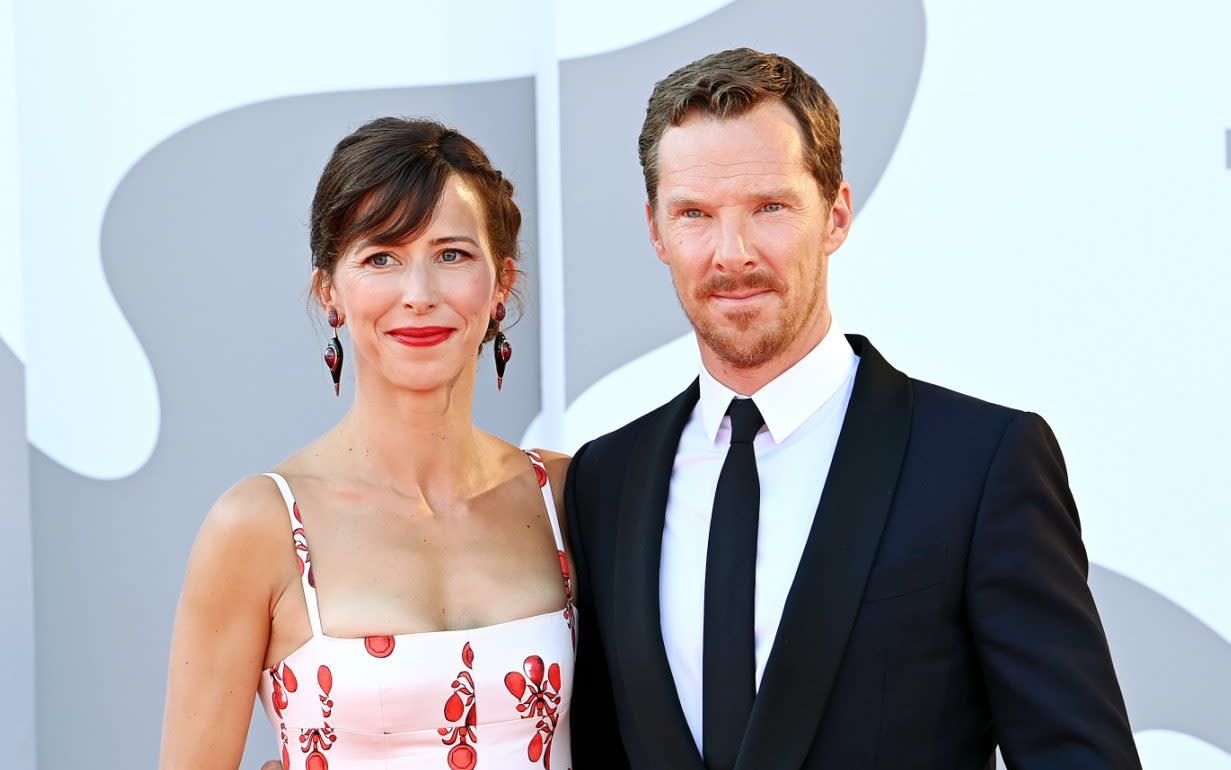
(747, 233)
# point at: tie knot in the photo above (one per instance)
(746, 420)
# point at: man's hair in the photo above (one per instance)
(731, 83)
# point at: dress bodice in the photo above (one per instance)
(413, 701)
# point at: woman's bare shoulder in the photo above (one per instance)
(550, 456)
(252, 505)
(245, 529)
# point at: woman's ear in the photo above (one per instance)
(507, 279)
(322, 289)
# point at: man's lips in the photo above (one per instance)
(420, 336)
(739, 296)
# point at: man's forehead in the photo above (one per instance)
(762, 140)
(689, 174)
(699, 167)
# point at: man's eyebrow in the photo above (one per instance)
(778, 193)
(774, 193)
(682, 202)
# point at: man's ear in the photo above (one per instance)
(840, 216)
(655, 236)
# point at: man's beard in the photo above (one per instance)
(731, 337)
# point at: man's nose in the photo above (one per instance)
(732, 252)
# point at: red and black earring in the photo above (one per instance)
(501, 348)
(333, 353)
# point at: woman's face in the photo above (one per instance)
(417, 311)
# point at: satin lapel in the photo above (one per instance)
(828, 588)
(640, 655)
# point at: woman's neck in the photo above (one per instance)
(418, 443)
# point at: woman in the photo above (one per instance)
(406, 567)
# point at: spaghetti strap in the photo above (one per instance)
(306, 577)
(549, 500)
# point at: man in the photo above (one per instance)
(849, 569)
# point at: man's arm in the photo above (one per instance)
(596, 731)
(1055, 700)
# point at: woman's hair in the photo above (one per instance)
(383, 182)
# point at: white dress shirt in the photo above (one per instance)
(803, 410)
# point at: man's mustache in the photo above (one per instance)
(725, 283)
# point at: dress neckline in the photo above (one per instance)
(412, 636)
(308, 580)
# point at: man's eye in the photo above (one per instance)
(691, 213)
(452, 255)
(771, 207)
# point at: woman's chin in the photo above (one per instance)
(426, 380)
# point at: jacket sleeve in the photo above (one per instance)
(595, 729)
(1055, 700)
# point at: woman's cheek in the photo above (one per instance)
(471, 291)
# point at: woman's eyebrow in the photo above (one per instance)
(452, 238)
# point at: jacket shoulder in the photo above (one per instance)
(619, 443)
(946, 419)
(929, 396)
(928, 400)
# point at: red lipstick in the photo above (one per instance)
(420, 336)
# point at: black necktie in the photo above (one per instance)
(728, 668)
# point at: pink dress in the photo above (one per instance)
(412, 700)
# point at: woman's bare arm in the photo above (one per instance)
(235, 573)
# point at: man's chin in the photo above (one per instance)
(739, 351)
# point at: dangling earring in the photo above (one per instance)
(333, 353)
(501, 348)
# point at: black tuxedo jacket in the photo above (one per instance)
(940, 606)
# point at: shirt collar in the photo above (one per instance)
(788, 400)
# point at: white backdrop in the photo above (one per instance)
(1049, 230)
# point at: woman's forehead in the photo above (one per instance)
(458, 209)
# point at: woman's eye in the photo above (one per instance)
(379, 260)
(452, 255)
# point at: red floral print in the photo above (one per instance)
(317, 740)
(324, 678)
(540, 470)
(314, 742)
(284, 682)
(568, 598)
(538, 697)
(379, 646)
(461, 711)
(301, 548)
